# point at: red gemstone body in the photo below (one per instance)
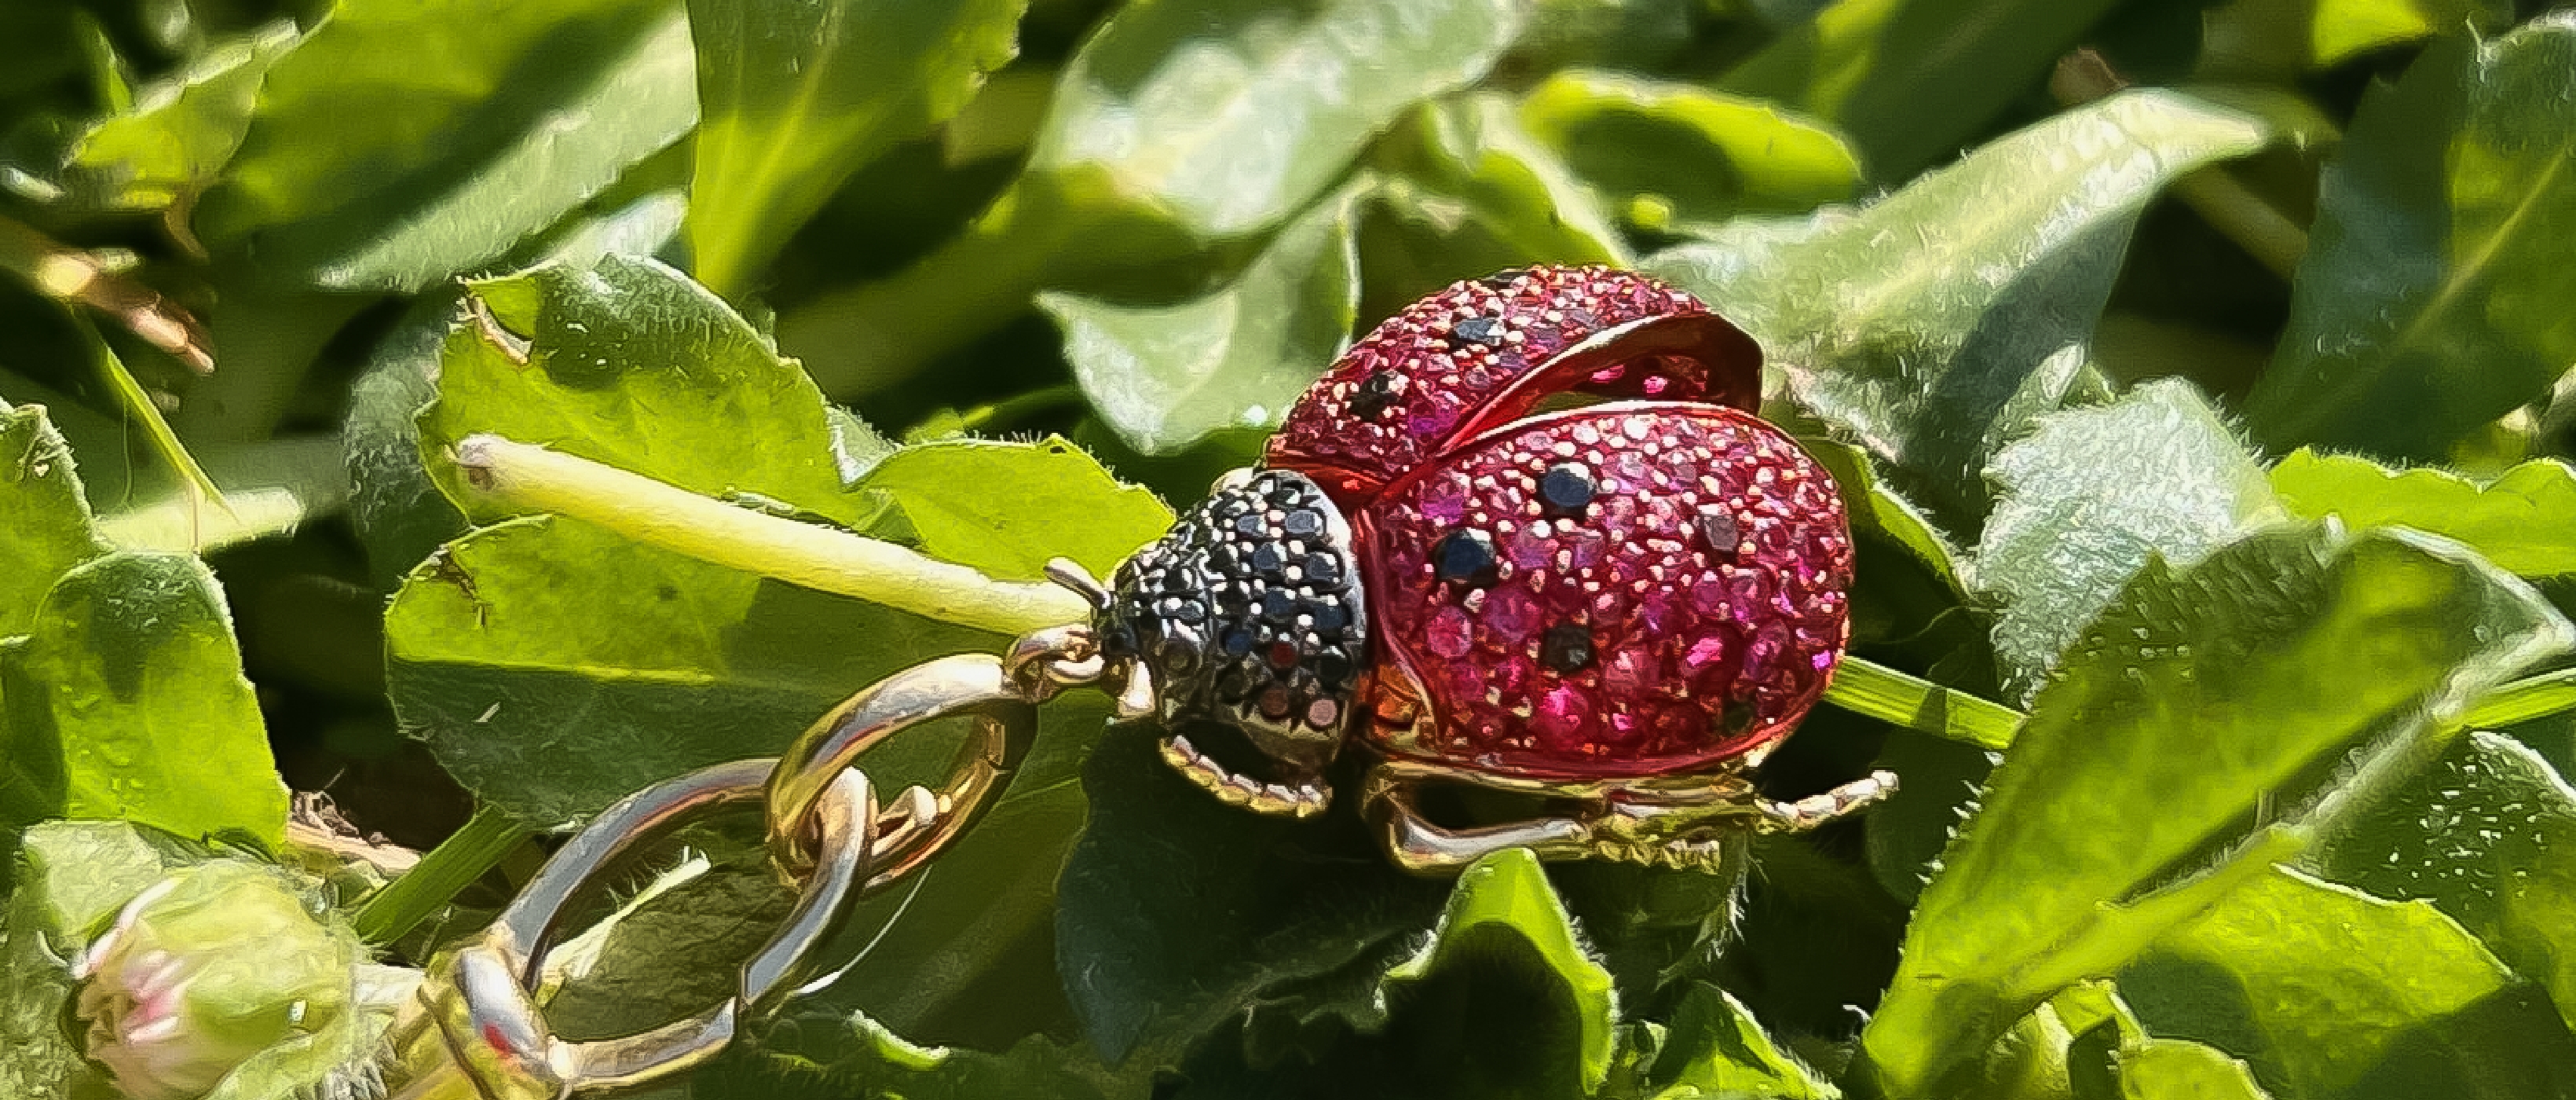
(1647, 587)
(1687, 612)
(1486, 351)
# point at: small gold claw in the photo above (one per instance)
(1305, 799)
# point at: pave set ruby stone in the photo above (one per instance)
(1652, 585)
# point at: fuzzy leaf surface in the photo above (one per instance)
(1933, 324)
(2158, 737)
(2430, 301)
(2093, 494)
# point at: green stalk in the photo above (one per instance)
(522, 477)
(440, 875)
(1880, 692)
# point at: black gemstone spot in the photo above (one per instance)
(1565, 489)
(1376, 394)
(1718, 527)
(1465, 556)
(1190, 611)
(1502, 280)
(1250, 523)
(1323, 568)
(1268, 559)
(1566, 647)
(1737, 717)
(1334, 668)
(1236, 641)
(1487, 331)
(1303, 523)
(1279, 605)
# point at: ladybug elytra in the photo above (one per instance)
(1626, 603)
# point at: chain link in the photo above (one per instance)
(475, 1031)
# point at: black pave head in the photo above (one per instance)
(1250, 613)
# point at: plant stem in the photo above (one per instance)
(445, 870)
(528, 478)
(2523, 700)
(69, 275)
(1880, 692)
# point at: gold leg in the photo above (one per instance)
(1655, 823)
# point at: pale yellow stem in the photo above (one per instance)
(526, 477)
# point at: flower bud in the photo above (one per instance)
(210, 966)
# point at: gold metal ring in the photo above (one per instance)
(475, 1030)
(968, 685)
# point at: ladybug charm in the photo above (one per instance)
(1623, 605)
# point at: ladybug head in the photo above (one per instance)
(1249, 619)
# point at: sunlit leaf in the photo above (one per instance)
(2524, 521)
(1167, 376)
(402, 142)
(799, 94)
(182, 130)
(2331, 992)
(2160, 735)
(1933, 324)
(2089, 497)
(1684, 154)
(2429, 303)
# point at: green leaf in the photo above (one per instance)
(44, 520)
(1178, 911)
(269, 489)
(2524, 521)
(1180, 125)
(402, 142)
(1933, 324)
(1876, 510)
(2089, 497)
(2179, 1069)
(1714, 1048)
(555, 667)
(395, 504)
(71, 877)
(2429, 302)
(1005, 508)
(1911, 80)
(2488, 836)
(1502, 909)
(2161, 735)
(2280, 40)
(126, 700)
(812, 1055)
(183, 128)
(631, 364)
(2327, 991)
(797, 95)
(1503, 1001)
(1165, 377)
(1684, 154)
(1228, 117)
(1495, 196)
